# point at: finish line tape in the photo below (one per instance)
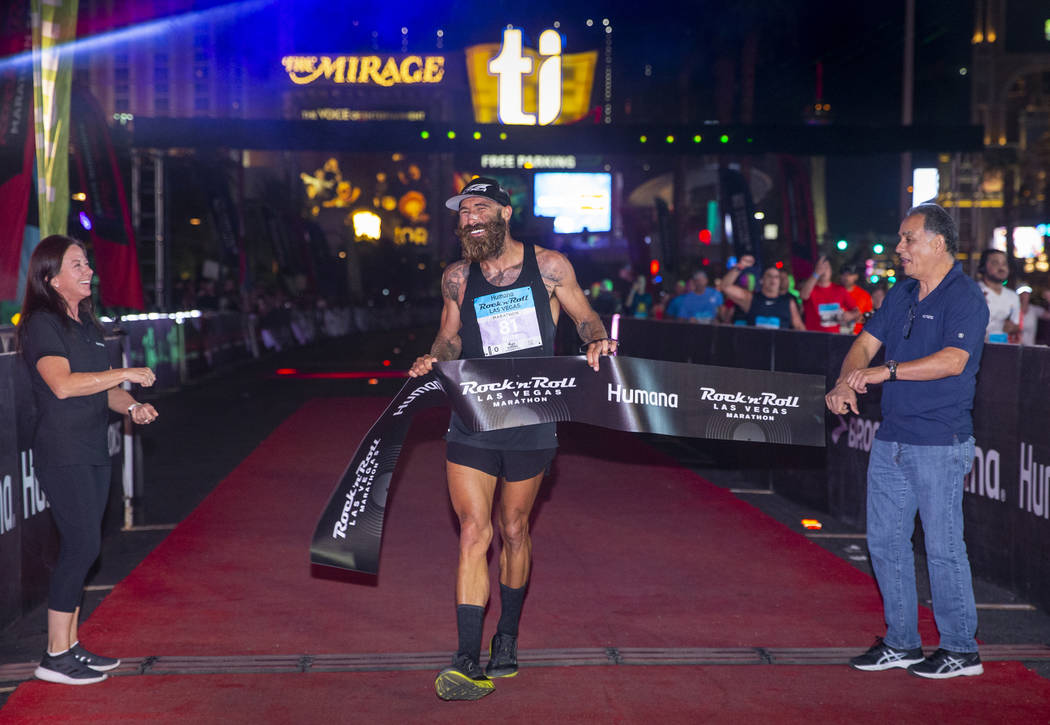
(626, 394)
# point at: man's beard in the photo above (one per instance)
(485, 246)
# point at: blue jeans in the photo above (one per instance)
(903, 479)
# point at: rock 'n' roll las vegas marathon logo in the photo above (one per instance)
(356, 499)
(745, 406)
(537, 389)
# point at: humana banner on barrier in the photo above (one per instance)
(627, 394)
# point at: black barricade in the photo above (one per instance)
(213, 342)
(155, 344)
(1031, 578)
(28, 541)
(113, 519)
(990, 504)
(849, 441)
(1007, 501)
(10, 496)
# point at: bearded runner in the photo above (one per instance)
(501, 306)
(501, 300)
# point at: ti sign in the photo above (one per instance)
(510, 65)
(511, 84)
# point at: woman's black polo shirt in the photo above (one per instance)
(70, 431)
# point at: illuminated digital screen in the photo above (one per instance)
(577, 201)
(1028, 242)
(925, 184)
(999, 239)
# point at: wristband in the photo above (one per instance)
(133, 406)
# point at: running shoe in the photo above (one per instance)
(463, 680)
(96, 662)
(943, 664)
(66, 669)
(503, 656)
(883, 657)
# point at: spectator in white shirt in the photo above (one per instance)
(1004, 307)
(1030, 315)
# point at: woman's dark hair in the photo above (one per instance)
(44, 264)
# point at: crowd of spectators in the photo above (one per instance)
(772, 297)
(744, 295)
(283, 319)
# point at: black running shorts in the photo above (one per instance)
(509, 465)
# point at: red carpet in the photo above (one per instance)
(630, 551)
(655, 695)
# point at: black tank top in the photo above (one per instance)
(511, 321)
(774, 312)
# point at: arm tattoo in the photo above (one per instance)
(550, 283)
(450, 289)
(551, 273)
(590, 329)
(447, 349)
(452, 283)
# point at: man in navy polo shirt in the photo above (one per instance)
(932, 325)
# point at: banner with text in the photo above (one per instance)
(106, 219)
(642, 396)
(628, 394)
(16, 143)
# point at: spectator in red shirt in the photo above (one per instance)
(826, 305)
(848, 276)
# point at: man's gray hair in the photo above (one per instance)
(938, 221)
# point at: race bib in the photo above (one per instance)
(508, 321)
(771, 323)
(829, 314)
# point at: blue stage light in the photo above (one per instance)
(166, 26)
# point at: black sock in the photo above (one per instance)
(510, 614)
(468, 620)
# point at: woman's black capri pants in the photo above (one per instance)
(77, 495)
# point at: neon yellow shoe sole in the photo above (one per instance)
(451, 684)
